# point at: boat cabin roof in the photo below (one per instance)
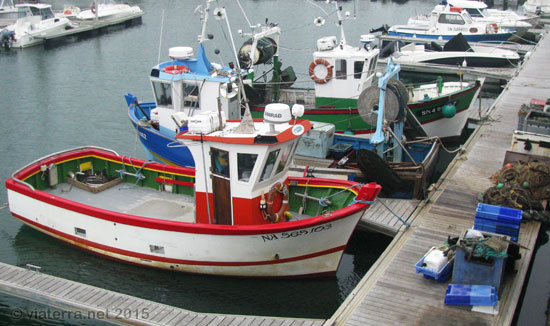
(263, 135)
(467, 4)
(196, 68)
(34, 5)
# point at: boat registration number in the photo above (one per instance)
(297, 233)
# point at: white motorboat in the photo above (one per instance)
(8, 13)
(480, 13)
(540, 8)
(457, 51)
(445, 22)
(109, 11)
(37, 23)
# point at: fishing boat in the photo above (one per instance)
(38, 22)
(446, 22)
(237, 213)
(480, 13)
(342, 72)
(457, 51)
(189, 84)
(402, 167)
(108, 11)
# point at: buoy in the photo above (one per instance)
(500, 185)
(526, 184)
(508, 165)
(449, 110)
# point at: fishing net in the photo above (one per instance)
(523, 185)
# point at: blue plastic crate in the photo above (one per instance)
(499, 213)
(441, 276)
(497, 223)
(500, 228)
(514, 234)
(474, 295)
(478, 272)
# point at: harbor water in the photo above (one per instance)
(70, 94)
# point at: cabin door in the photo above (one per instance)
(221, 189)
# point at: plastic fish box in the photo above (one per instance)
(478, 272)
(441, 276)
(474, 295)
(515, 226)
(513, 233)
(317, 141)
(499, 213)
(337, 151)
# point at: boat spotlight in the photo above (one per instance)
(319, 21)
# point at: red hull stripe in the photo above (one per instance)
(175, 182)
(86, 244)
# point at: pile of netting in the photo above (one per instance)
(522, 185)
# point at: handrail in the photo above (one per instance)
(55, 154)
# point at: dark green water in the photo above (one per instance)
(71, 94)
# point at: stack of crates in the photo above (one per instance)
(499, 220)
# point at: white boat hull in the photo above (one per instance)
(313, 250)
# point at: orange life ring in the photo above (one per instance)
(312, 71)
(174, 70)
(277, 189)
(492, 28)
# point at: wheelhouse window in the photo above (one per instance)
(269, 165)
(285, 155)
(451, 19)
(190, 95)
(245, 165)
(372, 65)
(474, 12)
(163, 93)
(358, 69)
(220, 162)
(47, 13)
(341, 69)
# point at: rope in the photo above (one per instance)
(407, 224)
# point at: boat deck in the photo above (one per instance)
(130, 199)
(391, 293)
(121, 309)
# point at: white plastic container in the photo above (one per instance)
(326, 43)
(201, 124)
(435, 260)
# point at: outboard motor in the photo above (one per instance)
(7, 38)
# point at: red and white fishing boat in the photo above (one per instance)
(237, 213)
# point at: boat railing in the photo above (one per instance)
(13, 175)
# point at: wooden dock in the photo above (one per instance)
(391, 293)
(115, 307)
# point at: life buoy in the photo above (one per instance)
(312, 71)
(277, 189)
(492, 28)
(174, 70)
(92, 7)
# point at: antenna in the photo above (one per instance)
(204, 13)
(247, 124)
(160, 39)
